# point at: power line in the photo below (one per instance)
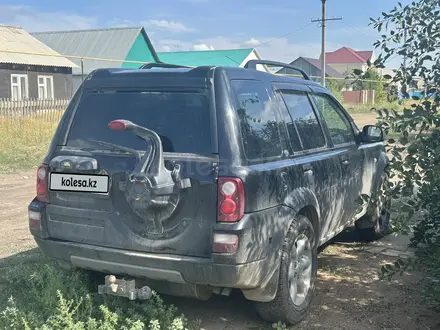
(357, 30)
(284, 35)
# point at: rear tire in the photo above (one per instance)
(298, 269)
(380, 217)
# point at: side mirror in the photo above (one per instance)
(372, 133)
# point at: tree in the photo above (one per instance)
(413, 32)
(336, 86)
(369, 80)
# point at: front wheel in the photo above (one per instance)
(298, 271)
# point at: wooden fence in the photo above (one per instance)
(50, 110)
(359, 97)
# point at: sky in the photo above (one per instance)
(280, 32)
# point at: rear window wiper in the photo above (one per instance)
(116, 147)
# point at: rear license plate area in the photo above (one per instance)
(79, 183)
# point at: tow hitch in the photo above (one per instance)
(124, 288)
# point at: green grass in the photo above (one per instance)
(36, 293)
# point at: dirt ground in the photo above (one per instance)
(349, 294)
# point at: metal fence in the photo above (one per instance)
(47, 110)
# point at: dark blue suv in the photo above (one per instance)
(194, 181)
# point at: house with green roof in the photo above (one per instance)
(119, 45)
(223, 57)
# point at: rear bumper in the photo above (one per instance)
(162, 267)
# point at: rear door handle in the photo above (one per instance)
(345, 162)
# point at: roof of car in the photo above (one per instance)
(202, 71)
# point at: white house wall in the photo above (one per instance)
(254, 56)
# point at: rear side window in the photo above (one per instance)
(258, 125)
(181, 119)
(291, 129)
(305, 119)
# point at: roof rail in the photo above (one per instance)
(252, 64)
(162, 65)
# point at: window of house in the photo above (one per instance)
(19, 87)
(338, 125)
(258, 125)
(305, 119)
(45, 87)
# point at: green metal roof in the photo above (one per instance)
(111, 43)
(227, 57)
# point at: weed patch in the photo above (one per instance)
(38, 294)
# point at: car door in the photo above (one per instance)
(351, 157)
(315, 167)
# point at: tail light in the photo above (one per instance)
(230, 199)
(42, 183)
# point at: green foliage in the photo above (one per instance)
(415, 142)
(370, 80)
(279, 326)
(42, 296)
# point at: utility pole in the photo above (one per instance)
(323, 24)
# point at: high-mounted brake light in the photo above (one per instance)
(42, 183)
(230, 199)
(117, 125)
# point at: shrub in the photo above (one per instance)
(415, 144)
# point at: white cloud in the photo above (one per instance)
(253, 42)
(203, 47)
(170, 26)
(32, 20)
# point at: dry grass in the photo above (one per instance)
(25, 140)
(366, 108)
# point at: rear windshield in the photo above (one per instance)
(180, 118)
